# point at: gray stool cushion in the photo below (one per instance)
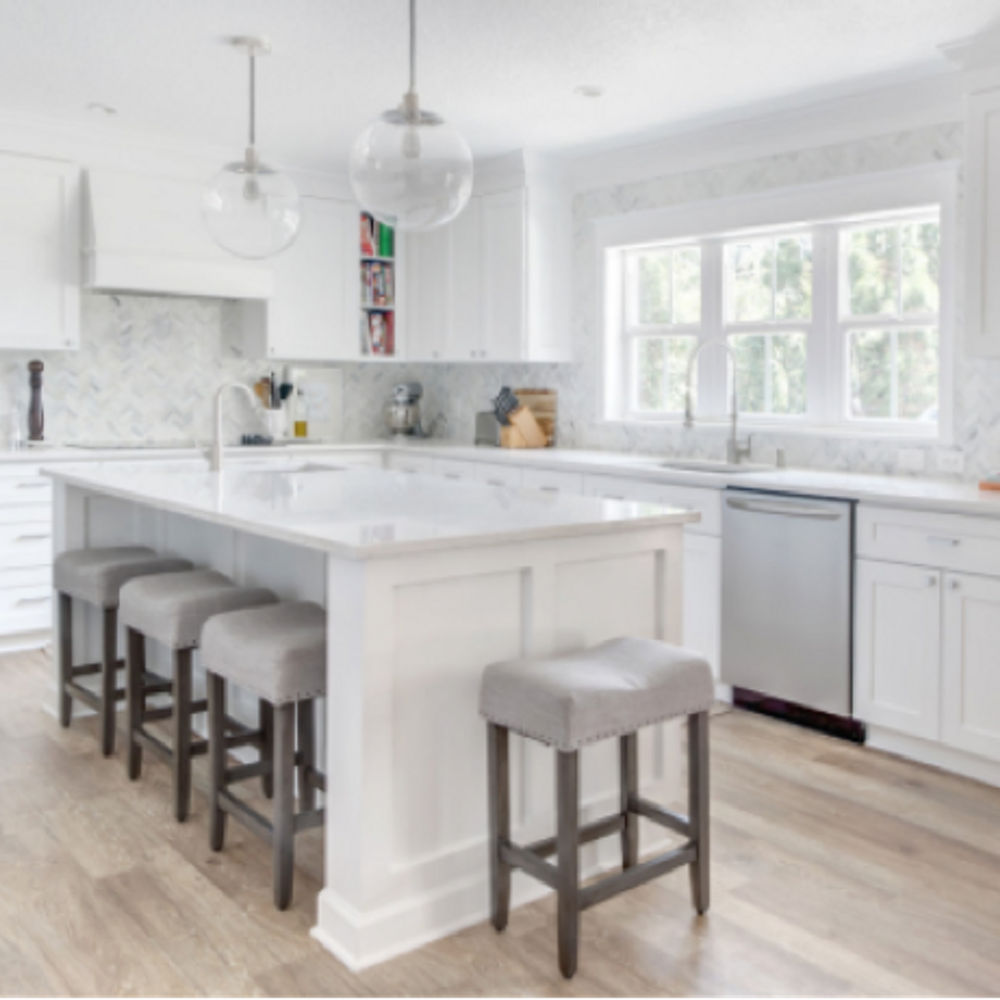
(97, 575)
(592, 694)
(172, 607)
(277, 652)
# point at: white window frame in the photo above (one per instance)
(821, 208)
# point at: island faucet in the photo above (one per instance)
(735, 452)
(215, 462)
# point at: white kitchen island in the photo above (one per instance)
(424, 581)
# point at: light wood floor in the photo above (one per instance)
(836, 871)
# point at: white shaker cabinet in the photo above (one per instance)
(897, 653)
(982, 220)
(311, 314)
(39, 254)
(503, 335)
(971, 673)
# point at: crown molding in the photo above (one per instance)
(930, 100)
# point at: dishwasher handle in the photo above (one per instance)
(784, 508)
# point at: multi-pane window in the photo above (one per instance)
(767, 289)
(835, 322)
(662, 324)
(889, 304)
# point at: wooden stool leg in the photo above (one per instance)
(697, 726)
(265, 717)
(182, 733)
(109, 679)
(499, 818)
(216, 756)
(283, 822)
(65, 657)
(307, 752)
(629, 785)
(135, 700)
(567, 850)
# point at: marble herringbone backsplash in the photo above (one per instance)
(148, 367)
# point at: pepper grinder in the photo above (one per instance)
(36, 415)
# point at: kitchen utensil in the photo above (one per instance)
(402, 415)
(543, 404)
(504, 403)
(36, 415)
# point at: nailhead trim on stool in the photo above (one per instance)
(172, 608)
(96, 576)
(567, 702)
(279, 653)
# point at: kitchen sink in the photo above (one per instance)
(712, 465)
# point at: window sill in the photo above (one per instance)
(922, 435)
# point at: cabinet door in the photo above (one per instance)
(703, 596)
(897, 647)
(428, 294)
(466, 329)
(982, 214)
(306, 318)
(503, 276)
(971, 675)
(39, 254)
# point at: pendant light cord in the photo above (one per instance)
(413, 46)
(253, 97)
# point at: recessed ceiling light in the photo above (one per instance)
(99, 107)
(589, 90)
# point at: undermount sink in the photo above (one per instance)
(712, 465)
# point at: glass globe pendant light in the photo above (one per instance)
(250, 209)
(410, 168)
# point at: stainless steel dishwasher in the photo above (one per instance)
(787, 577)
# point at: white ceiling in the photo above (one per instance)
(504, 71)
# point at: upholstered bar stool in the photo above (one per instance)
(568, 701)
(95, 576)
(279, 654)
(172, 608)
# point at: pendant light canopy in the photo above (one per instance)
(250, 209)
(410, 168)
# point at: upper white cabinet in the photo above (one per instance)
(39, 253)
(494, 284)
(982, 220)
(311, 314)
(144, 233)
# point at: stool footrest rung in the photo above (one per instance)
(244, 772)
(603, 827)
(529, 861)
(157, 714)
(645, 871)
(88, 697)
(657, 814)
(257, 822)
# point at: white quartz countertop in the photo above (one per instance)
(913, 492)
(363, 512)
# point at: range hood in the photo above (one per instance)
(144, 233)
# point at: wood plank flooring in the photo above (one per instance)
(836, 871)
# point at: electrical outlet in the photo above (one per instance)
(951, 461)
(911, 459)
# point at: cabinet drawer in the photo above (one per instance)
(25, 488)
(553, 481)
(25, 609)
(496, 473)
(21, 513)
(25, 576)
(27, 544)
(707, 502)
(948, 541)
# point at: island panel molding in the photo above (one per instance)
(409, 631)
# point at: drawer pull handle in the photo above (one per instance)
(494, 482)
(549, 489)
(41, 485)
(452, 475)
(32, 538)
(34, 600)
(944, 540)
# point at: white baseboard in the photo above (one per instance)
(935, 754)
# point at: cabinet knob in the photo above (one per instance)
(932, 580)
(956, 585)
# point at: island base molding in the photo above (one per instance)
(938, 755)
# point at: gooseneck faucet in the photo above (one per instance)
(215, 463)
(735, 452)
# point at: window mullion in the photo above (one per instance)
(711, 373)
(824, 360)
